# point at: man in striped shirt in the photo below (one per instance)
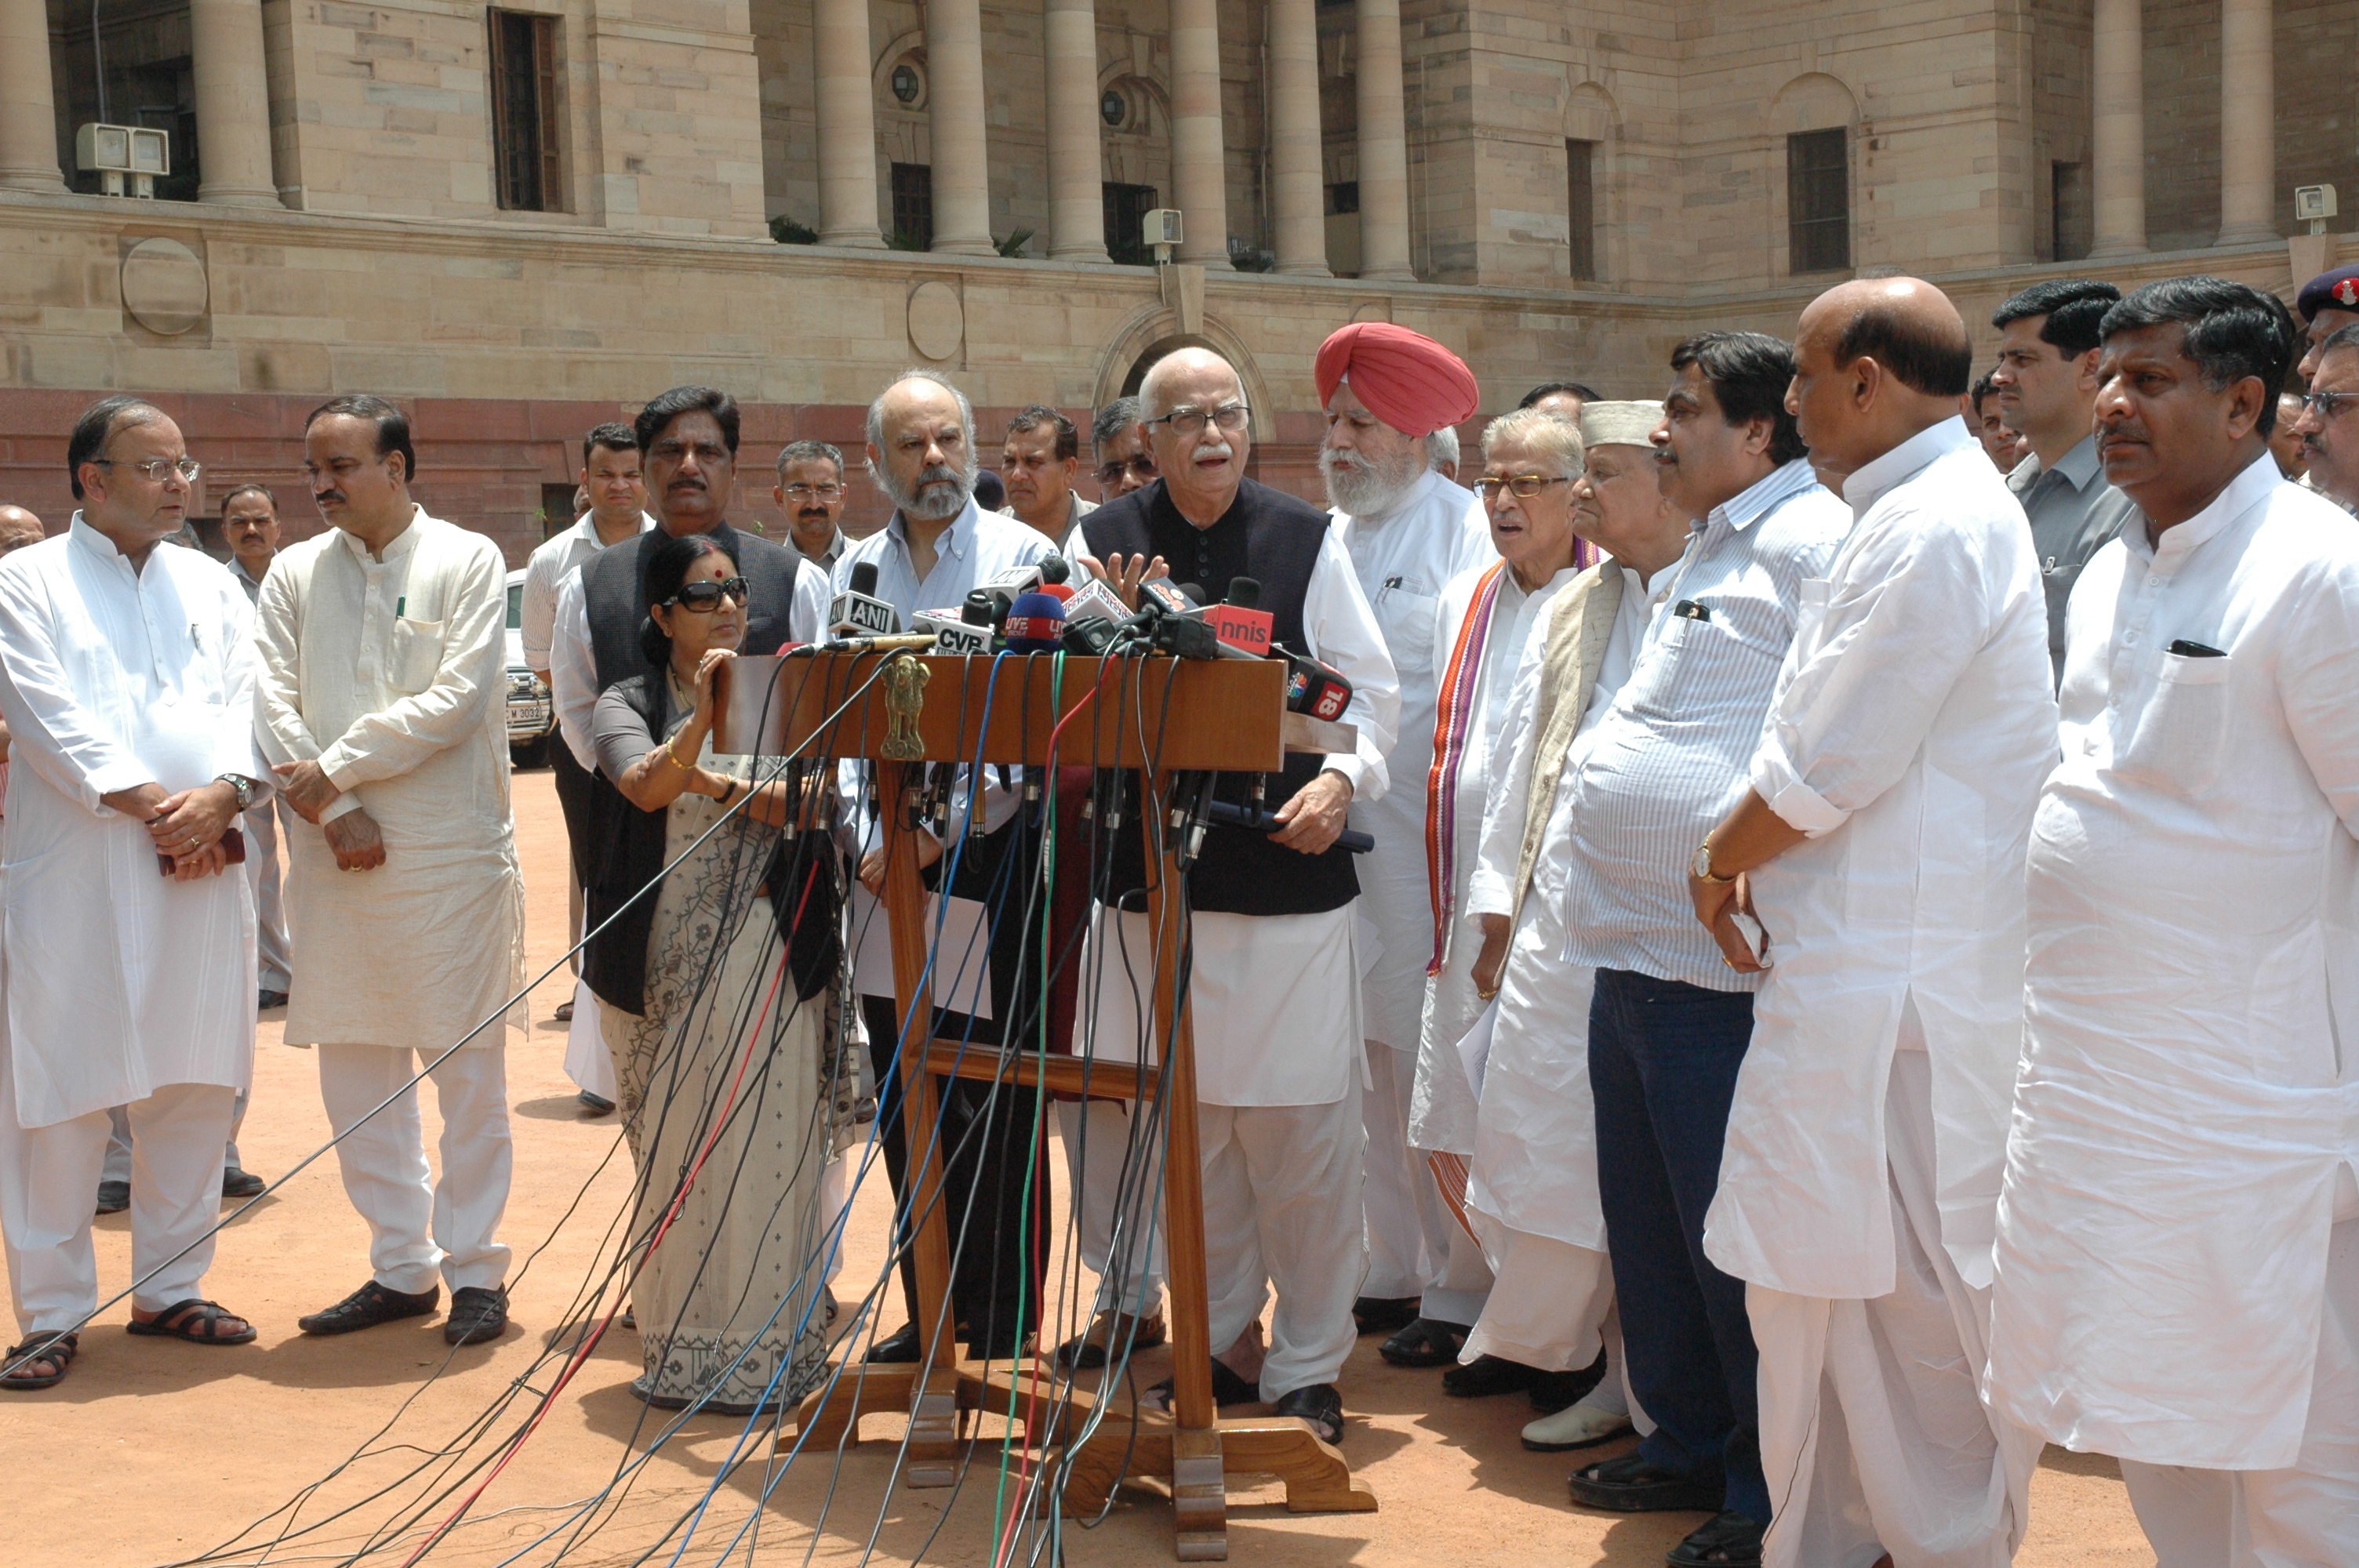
(1670, 1020)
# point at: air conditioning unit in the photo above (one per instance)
(2313, 204)
(110, 152)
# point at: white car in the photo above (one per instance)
(532, 713)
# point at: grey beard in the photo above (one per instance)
(939, 492)
(1365, 491)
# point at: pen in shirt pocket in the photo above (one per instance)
(1688, 610)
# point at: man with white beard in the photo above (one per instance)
(1531, 463)
(1532, 1194)
(1408, 532)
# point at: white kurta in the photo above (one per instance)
(1535, 1145)
(391, 674)
(1441, 1105)
(1911, 728)
(120, 981)
(1404, 561)
(2189, 1101)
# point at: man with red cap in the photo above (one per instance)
(1408, 532)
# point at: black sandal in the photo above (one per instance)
(182, 1319)
(1727, 1540)
(56, 1350)
(1428, 1342)
(1228, 1389)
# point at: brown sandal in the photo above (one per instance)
(53, 1350)
(182, 1320)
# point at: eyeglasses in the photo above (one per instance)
(155, 469)
(704, 598)
(1229, 417)
(1140, 468)
(2327, 405)
(813, 491)
(1524, 485)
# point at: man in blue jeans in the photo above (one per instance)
(1671, 1019)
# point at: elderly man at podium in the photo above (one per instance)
(1275, 975)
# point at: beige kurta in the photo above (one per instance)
(392, 674)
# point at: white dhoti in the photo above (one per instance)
(1408, 1227)
(2306, 1516)
(587, 1061)
(421, 1226)
(1275, 1005)
(46, 1177)
(1874, 1435)
(1117, 1200)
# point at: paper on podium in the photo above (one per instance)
(961, 977)
(1475, 1051)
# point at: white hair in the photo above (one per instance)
(1442, 448)
(919, 372)
(1150, 387)
(1551, 435)
(913, 499)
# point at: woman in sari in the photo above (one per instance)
(726, 1052)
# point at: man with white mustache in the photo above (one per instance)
(1408, 531)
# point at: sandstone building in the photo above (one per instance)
(522, 219)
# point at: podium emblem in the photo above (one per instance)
(905, 699)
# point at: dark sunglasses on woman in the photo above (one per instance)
(705, 597)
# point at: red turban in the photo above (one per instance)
(1407, 379)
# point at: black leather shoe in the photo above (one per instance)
(596, 1105)
(1632, 1483)
(1428, 1342)
(1320, 1405)
(1384, 1314)
(368, 1307)
(1727, 1540)
(476, 1314)
(896, 1349)
(242, 1185)
(113, 1198)
(1488, 1375)
(1554, 1391)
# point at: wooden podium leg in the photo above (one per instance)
(1200, 1500)
(933, 1397)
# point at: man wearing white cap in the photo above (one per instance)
(1408, 532)
(1532, 1190)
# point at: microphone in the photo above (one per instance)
(1313, 686)
(1036, 623)
(1221, 814)
(1241, 623)
(1054, 570)
(857, 611)
(955, 633)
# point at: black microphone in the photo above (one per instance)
(1054, 570)
(857, 611)
(1221, 814)
(1245, 593)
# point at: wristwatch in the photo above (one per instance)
(239, 783)
(1702, 866)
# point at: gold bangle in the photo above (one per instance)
(671, 749)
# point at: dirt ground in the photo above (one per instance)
(158, 1453)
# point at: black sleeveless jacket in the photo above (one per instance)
(1275, 539)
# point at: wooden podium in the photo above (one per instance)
(1158, 716)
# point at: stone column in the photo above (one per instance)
(28, 125)
(1076, 165)
(962, 158)
(1297, 163)
(2249, 122)
(847, 125)
(1384, 146)
(1199, 164)
(2118, 131)
(233, 103)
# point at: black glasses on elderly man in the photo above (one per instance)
(1524, 485)
(705, 596)
(1187, 420)
(2327, 405)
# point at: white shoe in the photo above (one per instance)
(1575, 1427)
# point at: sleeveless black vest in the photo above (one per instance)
(1275, 539)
